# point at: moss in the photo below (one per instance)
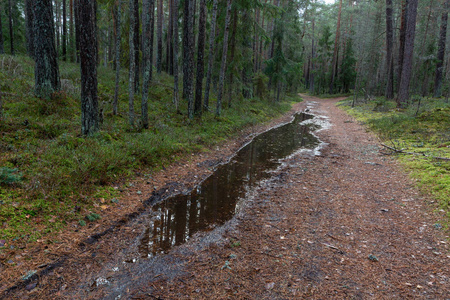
(420, 129)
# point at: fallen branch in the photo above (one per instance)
(414, 153)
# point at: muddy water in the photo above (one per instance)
(215, 200)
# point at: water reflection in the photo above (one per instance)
(214, 202)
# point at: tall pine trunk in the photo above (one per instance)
(46, 72)
(64, 31)
(336, 49)
(223, 65)
(152, 33)
(188, 64)
(389, 93)
(11, 31)
(231, 62)
(441, 53)
(136, 45)
(2, 49)
(402, 36)
(117, 45)
(29, 27)
(71, 34)
(212, 36)
(175, 54)
(403, 93)
(132, 70)
(88, 59)
(159, 37)
(200, 59)
(147, 64)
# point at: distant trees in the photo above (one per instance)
(2, 50)
(46, 67)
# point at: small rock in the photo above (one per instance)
(385, 209)
(270, 285)
(139, 192)
(31, 286)
(373, 258)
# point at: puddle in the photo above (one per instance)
(215, 200)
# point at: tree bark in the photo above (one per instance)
(71, 34)
(152, 34)
(46, 71)
(136, 45)
(336, 47)
(188, 69)
(88, 59)
(76, 4)
(28, 27)
(159, 37)
(200, 59)
(11, 31)
(132, 70)
(2, 49)
(389, 93)
(224, 59)
(232, 50)
(147, 64)
(403, 93)
(117, 45)
(169, 49)
(441, 53)
(64, 31)
(402, 36)
(175, 54)
(212, 36)
(57, 26)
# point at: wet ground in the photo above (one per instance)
(345, 222)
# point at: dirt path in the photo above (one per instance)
(345, 224)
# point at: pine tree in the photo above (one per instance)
(117, 60)
(88, 61)
(441, 52)
(212, 36)
(200, 59)
(46, 67)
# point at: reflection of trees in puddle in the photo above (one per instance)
(214, 202)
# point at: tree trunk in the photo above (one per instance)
(46, 71)
(212, 36)
(76, 4)
(403, 93)
(147, 64)
(71, 34)
(401, 49)
(137, 42)
(389, 93)
(152, 34)
(441, 53)
(159, 37)
(64, 31)
(336, 47)
(88, 57)
(117, 42)
(57, 26)
(200, 59)
(11, 31)
(175, 54)
(2, 49)
(311, 69)
(232, 50)
(28, 27)
(256, 41)
(188, 64)
(169, 49)
(132, 70)
(224, 59)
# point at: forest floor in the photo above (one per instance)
(347, 223)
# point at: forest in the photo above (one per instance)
(98, 98)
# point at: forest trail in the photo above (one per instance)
(347, 223)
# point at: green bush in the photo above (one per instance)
(9, 176)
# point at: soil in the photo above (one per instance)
(343, 223)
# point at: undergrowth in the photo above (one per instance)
(423, 128)
(51, 175)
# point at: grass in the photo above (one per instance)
(421, 128)
(53, 175)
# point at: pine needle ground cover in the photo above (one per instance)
(50, 175)
(423, 128)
